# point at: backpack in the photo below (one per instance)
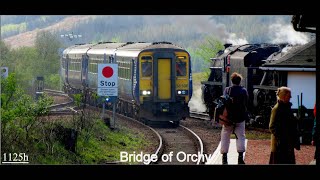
(229, 109)
(220, 111)
(235, 106)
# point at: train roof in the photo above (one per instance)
(78, 49)
(303, 56)
(164, 45)
(105, 47)
(129, 49)
(134, 49)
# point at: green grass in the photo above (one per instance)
(198, 77)
(105, 145)
(98, 145)
(255, 135)
(22, 27)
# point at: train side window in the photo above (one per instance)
(181, 68)
(146, 69)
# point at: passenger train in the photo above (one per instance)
(154, 79)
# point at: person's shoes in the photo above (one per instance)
(241, 161)
(224, 162)
(224, 159)
(240, 158)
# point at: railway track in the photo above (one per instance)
(61, 108)
(204, 116)
(199, 115)
(180, 146)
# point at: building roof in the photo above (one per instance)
(302, 57)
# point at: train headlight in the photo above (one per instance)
(146, 92)
(182, 92)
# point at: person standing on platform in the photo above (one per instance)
(283, 128)
(238, 114)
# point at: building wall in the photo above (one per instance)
(305, 83)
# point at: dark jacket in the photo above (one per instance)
(284, 134)
(237, 111)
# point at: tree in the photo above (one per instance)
(207, 49)
(23, 62)
(48, 62)
(4, 53)
(19, 116)
(47, 45)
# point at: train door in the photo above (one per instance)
(66, 68)
(164, 79)
(84, 70)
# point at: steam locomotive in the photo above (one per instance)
(154, 79)
(254, 62)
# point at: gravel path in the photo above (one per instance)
(258, 152)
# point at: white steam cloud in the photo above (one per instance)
(286, 34)
(204, 24)
(234, 40)
(196, 103)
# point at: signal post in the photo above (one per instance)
(108, 87)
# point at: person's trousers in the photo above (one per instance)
(240, 133)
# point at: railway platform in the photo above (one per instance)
(216, 158)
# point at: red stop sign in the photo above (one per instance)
(107, 71)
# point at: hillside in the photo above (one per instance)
(28, 38)
(188, 31)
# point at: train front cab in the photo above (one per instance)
(164, 85)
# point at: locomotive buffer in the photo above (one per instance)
(108, 87)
